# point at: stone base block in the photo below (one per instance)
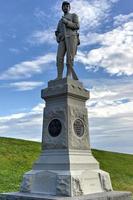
(98, 196)
(66, 183)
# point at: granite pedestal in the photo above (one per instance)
(66, 166)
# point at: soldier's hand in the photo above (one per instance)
(64, 20)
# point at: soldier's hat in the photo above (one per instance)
(65, 3)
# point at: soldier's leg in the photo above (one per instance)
(60, 59)
(68, 57)
(71, 45)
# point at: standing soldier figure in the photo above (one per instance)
(68, 39)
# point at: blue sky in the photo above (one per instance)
(104, 63)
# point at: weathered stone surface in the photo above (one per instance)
(26, 183)
(98, 196)
(65, 101)
(65, 182)
(63, 185)
(59, 142)
(65, 86)
(77, 187)
(39, 181)
(74, 141)
(90, 182)
(105, 180)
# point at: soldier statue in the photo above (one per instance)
(68, 40)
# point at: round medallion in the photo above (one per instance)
(78, 127)
(55, 127)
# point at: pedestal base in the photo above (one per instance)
(73, 173)
(98, 196)
(66, 183)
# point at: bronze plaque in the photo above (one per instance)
(78, 127)
(55, 127)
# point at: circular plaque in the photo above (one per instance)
(55, 127)
(78, 127)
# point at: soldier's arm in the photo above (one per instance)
(73, 24)
(57, 33)
(57, 30)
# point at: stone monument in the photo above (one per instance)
(66, 168)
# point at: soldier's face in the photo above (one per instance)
(66, 8)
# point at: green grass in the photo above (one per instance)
(120, 168)
(17, 157)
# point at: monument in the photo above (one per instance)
(66, 168)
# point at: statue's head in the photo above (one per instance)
(66, 6)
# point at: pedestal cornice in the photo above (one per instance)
(65, 87)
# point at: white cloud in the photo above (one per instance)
(41, 16)
(28, 68)
(43, 36)
(90, 38)
(120, 19)
(111, 90)
(3, 128)
(38, 108)
(91, 13)
(110, 111)
(12, 117)
(113, 134)
(45, 18)
(98, 93)
(25, 125)
(109, 108)
(111, 99)
(25, 85)
(115, 53)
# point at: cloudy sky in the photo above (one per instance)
(104, 63)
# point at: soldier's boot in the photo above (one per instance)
(74, 75)
(60, 67)
(69, 72)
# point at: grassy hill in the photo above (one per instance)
(17, 156)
